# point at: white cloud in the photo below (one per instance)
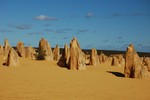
(89, 15)
(44, 17)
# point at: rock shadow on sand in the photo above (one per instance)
(62, 63)
(118, 74)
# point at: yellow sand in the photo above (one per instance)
(44, 80)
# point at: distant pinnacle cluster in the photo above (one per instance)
(74, 58)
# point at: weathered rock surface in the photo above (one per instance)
(87, 59)
(145, 73)
(94, 60)
(77, 59)
(118, 60)
(12, 58)
(56, 53)
(102, 58)
(132, 63)
(1, 50)
(45, 51)
(21, 49)
(115, 62)
(146, 62)
(64, 59)
(7, 48)
(30, 53)
(121, 60)
(66, 53)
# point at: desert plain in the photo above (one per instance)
(45, 80)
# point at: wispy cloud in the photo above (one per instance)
(120, 41)
(65, 38)
(49, 30)
(112, 15)
(35, 33)
(106, 47)
(137, 14)
(89, 46)
(139, 44)
(45, 18)
(126, 45)
(94, 31)
(5, 31)
(89, 15)
(142, 47)
(105, 40)
(138, 47)
(119, 37)
(62, 30)
(11, 25)
(83, 30)
(116, 14)
(20, 27)
(145, 48)
(48, 24)
(23, 27)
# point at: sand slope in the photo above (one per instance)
(44, 80)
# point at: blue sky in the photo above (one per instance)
(100, 24)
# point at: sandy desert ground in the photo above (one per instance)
(44, 80)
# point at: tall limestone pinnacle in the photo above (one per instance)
(64, 59)
(94, 60)
(76, 60)
(10, 55)
(21, 49)
(132, 63)
(1, 50)
(66, 53)
(56, 53)
(6, 47)
(12, 58)
(45, 51)
(30, 52)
